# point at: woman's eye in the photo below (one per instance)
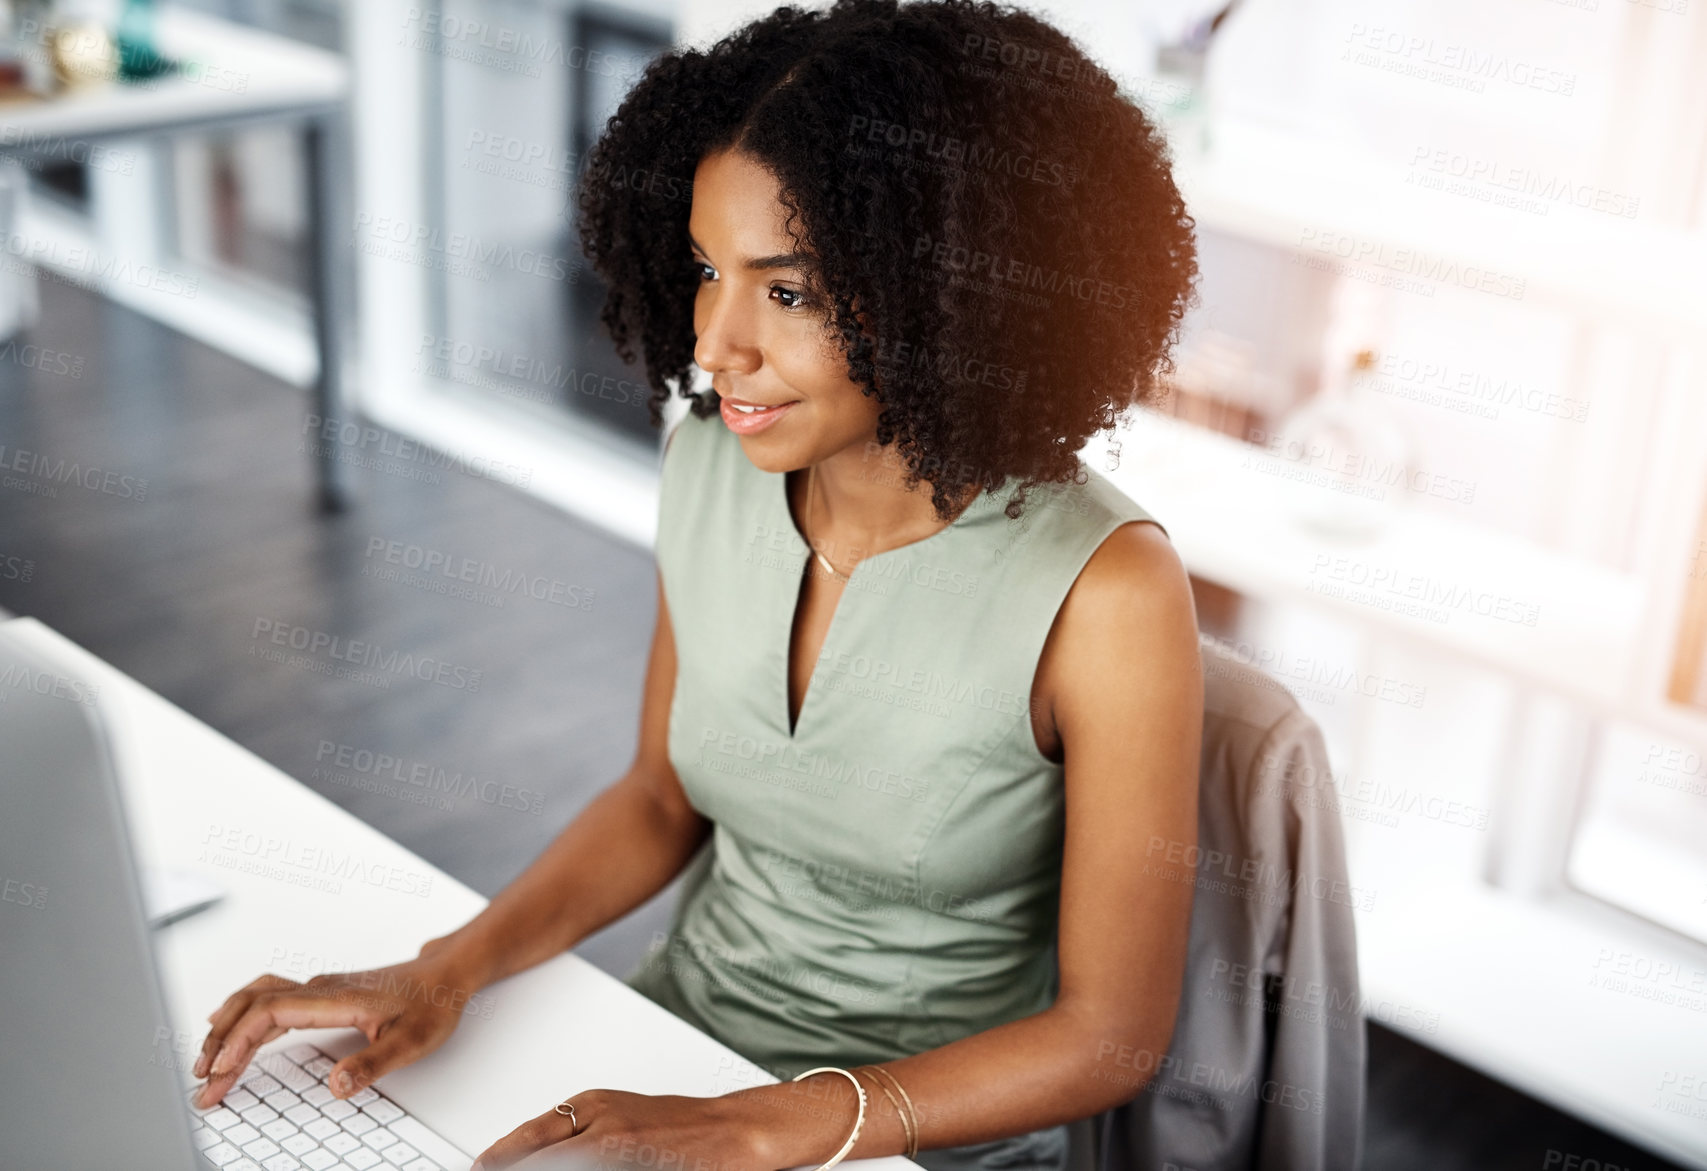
(792, 300)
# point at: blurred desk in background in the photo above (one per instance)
(229, 76)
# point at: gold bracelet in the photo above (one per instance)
(913, 1148)
(906, 1127)
(858, 1122)
(907, 1100)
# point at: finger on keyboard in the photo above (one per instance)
(280, 1115)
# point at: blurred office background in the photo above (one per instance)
(1436, 453)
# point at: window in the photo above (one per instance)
(516, 104)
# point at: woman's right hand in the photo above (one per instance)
(407, 1010)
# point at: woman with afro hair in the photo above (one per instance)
(922, 713)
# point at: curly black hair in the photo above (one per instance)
(1004, 256)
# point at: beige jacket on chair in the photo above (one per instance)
(1242, 1085)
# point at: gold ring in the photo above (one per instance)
(568, 1111)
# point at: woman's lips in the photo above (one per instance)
(751, 422)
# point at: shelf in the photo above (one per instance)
(1338, 205)
(1230, 509)
(232, 73)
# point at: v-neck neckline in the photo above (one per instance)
(778, 496)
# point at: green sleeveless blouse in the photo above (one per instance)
(886, 878)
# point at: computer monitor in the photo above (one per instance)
(82, 1083)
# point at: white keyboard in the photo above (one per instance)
(281, 1116)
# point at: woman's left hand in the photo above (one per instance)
(660, 1132)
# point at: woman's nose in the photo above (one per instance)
(724, 341)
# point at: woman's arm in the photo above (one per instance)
(1129, 709)
(620, 850)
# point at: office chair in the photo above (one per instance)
(1265, 1069)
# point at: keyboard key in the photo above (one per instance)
(337, 1110)
(259, 1114)
(423, 1164)
(318, 1096)
(299, 1144)
(261, 1148)
(244, 1165)
(281, 1099)
(242, 1134)
(382, 1111)
(358, 1124)
(262, 1086)
(302, 1053)
(221, 1154)
(319, 1159)
(302, 1114)
(341, 1143)
(322, 1128)
(399, 1153)
(379, 1138)
(281, 1162)
(222, 1119)
(205, 1137)
(279, 1129)
(363, 1096)
(361, 1160)
(240, 1100)
(293, 1077)
(318, 1067)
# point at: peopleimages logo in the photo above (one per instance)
(366, 655)
(44, 471)
(19, 569)
(956, 152)
(1249, 878)
(780, 759)
(304, 864)
(24, 894)
(367, 445)
(519, 375)
(431, 779)
(19, 677)
(39, 150)
(33, 357)
(1022, 274)
(83, 262)
(1404, 591)
(398, 239)
(1382, 263)
(923, 681)
(433, 563)
(1203, 1083)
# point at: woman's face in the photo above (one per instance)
(759, 337)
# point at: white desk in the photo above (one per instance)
(554, 1030)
